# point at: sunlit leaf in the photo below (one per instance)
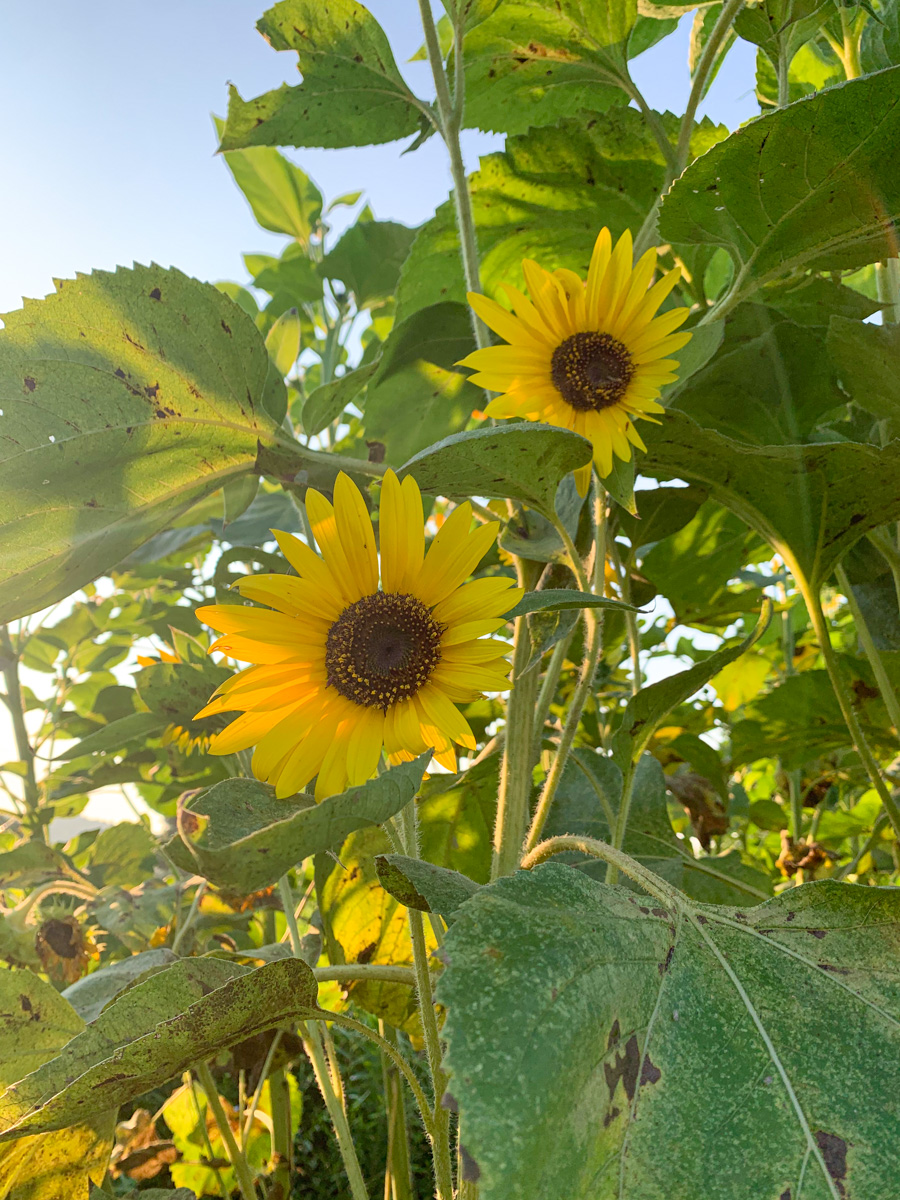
(326, 403)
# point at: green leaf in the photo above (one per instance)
(117, 735)
(248, 839)
(90, 994)
(561, 599)
(30, 864)
(352, 93)
(35, 1021)
(368, 258)
(283, 198)
(122, 855)
(590, 793)
(283, 341)
(781, 27)
(531, 62)
(422, 885)
(456, 819)
(326, 403)
(152, 1032)
(291, 280)
(645, 710)
(417, 395)
(794, 189)
(623, 1022)
(811, 503)
(175, 691)
(867, 358)
(546, 196)
(126, 398)
(662, 511)
(520, 461)
(238, 496)
(771, 380)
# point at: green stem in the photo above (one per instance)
(257, 1095)
(376, 972)
(282, 1132)
(190, 1083)
(823, 635)
(548, 688)
(9, 664)
(877, 662)
(654, 124)
(706, 64)
(593, 620)
(450, 112)
(596, 849)
(287, 903)
(887, 278)
(865, 849)
(881, 540)
(621, 826)
(397, 1173)
(784, 83)
(312, 1044)
(440, 1145)
(850, 55)
(188, 920)
(236, 1157)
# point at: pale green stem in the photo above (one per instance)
(794, 778)
(784, 84)
(189, 919)
(881, 540)
(397, 1174)
(257, 1095)
(549, 685)
(282, 1133)
(850, 56)
(593, 620)
(887, 278)
(236, 1157)
(312, 1044)
(717, 35)
(631, 625)
(9, 663)
(287, 903)
(877, 662)
(621, 826)
(376, 972)
(609, 854)
(440, 1145)
(823, 635)
(865, 849)
(190, 1083)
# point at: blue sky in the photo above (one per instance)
(109, 148)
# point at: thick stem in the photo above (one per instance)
(9, 663)
(312, 1044)
(242, 1171)
(376, 972)
(624, 862)
(823, 635)
(548, 688)
(877, 662)
(850, 55)
(443, 1171)
(287, 903)
(516, 769)
(282, 1131)
(593, 620)
(784, 85)
(397, 1172)
(707, 61)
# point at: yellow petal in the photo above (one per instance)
(636, 289)
(497, 318)
(308, 565)
(325, 531)
(615, 280)
(401, 729)
(365, 746)
(478, 599)
(548, 298)
(243, 732)
(453, 555)
(650, 303)
(599, 262)
(332, 778)
(355, 532)
(583, 479)
(471, 630)
(446, 716)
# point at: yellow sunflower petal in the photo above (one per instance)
(613, 286)
(480, 598)
(324, 524)
(446, 716)
(529, 316)
(453, 555)
(470, 630)
(332, 778)
(243, 732)
(635, 291)
(548, 298)
(308, 565)
(583, 479)
(401, 729)
(644, 311)
(402, 532)
(365, 746)
(599, 262)
(497, 318)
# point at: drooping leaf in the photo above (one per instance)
(352, 93)
(90, 994)
(247, 839)
(150, 1033)
(126, 398)
(530, 63)
(327, 402)
(283, 198)
(368, 259)
(648, 707)
(661, 512)
(781, 27)
(422, 885)
(590, 792)
(35, 1022)
(811, 503)
(561, 600)
(520, 460)
(418, 395)
(546, 196)
(795, 188)
(629, 1026)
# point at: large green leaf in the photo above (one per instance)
(35, 1022)
(520, 460)
(867, 358)
(563, 600)
(352, 93)
(546, 196)
(662, 1051)
(368, 258)
(150, 1033)
(532, 62)
(90, 994)
(811, 503)
(809, 186)
(456, 819)
(326, 403)
(246, 839)
(126, 397)
(417, 396)
(422, 885)
(591, 790)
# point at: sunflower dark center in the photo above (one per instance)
(591, 371)
(382, 649)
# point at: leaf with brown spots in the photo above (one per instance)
(618, 1070)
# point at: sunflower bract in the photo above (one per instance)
(344, 668)
(587, 355)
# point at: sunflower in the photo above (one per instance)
(184, 733)
(345, 669)
(590, 356)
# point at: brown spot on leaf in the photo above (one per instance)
(156, 294)
(667, 962)
(650, 1073)
(614, 1035)
(785, 1195)
(817, 933)
(119, 372)
(152, 391)
(471, 1172)
(610, 1116)
(835, 970)
(625, 1067)
(26, 1004)
(376, 451)
(365, 955)
(834, 1152)
(227, 328)
(30, 384)
(660, 912)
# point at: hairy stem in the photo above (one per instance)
(315, 1052)
(823, 635)
(9, 664)
(236, 1156)
(705, 66)
(548, 688)
(624, 862)
(185, 925)
(877, 662)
